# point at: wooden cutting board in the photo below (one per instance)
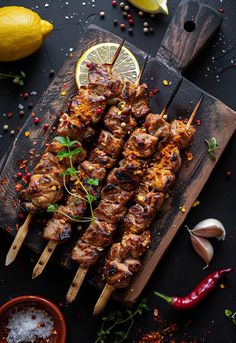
(189, 31)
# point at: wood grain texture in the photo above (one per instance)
(192, 26)
(217, 120)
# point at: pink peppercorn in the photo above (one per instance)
(19, 175)
(36, 120)
(130, 21)
(99, 111)
(228, 173)
(89, 65)
(114, 3)
(122, 27)
(46, 126)
(129, 16)
(28, 175)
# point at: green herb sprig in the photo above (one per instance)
(89, 198)
(116, 325)
(212, 145)
(17, 78)
(231, 315)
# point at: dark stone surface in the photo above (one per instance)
(181, 269)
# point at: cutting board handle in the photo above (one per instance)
(189, 31)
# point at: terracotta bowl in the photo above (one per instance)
(41, 303)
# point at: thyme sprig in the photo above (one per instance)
(231, 315)
(89, 198)
(212, 145)
(117, 324)
(17, 78)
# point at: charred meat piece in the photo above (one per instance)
(85, 105)
(48, 164)
(70, 127)
(119, 122)
(136, 245)
(110, 144)
(169, 158)
(103, 81)
(43, 190)
(160, 180)
(136, 97)
(114, 193)
(93, 170)
(180, 136)
(133, 164)
(89, 134)
(117, 274)
(123, 178)
(85, 253)
(116, 252)
(133, 264)
(157, 126)
(146, 196)
(100, 157)
(111, 212)
(99, 234)
(75, 207)
(137, 219)
(57, 230)
(140, 144)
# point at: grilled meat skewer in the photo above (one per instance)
(123, 258)
(77, 122)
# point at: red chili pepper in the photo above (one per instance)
(198, 294)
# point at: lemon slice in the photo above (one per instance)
(126, 64)
(151, 6)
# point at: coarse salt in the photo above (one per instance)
(28, 325)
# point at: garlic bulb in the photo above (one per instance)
(210, 228)
(202, 247)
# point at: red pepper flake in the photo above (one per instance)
(189, 156)
(23, 165)
(185, 120)
(32, 151)
(18, 187)
(198, 122)
(9, 114)
(20, 216)
(3, 181)
(8, 229)
(221, 10)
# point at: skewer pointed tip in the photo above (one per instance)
(9, 260)
(103, 299)
(194, 112)
(44, 258)
(142, 70)
(76, 284)
(117, 53)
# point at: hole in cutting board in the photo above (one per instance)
(189, 26)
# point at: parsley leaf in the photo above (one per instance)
(93, 182)
(212, 145)
(52, 208)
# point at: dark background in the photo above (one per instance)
(180, 269)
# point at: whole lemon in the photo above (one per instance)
(22, 32)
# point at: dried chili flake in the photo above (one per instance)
(32, 151)
(221, 10)
(8, 229)
(198, 122)
(3, 181)
(18, 187)
(23, 165)
(189, 156)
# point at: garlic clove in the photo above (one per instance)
(210, 228)
(202, 247)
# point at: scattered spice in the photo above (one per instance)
(228, 173)
(182, 209)
(167, 83)
(196, 203)
(27, 134)
(63, 93)
(189, 156)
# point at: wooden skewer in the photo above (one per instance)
(108, 290)
(76, 284)
(164, 111)
(43, 260)
(103, 300)
(194, 113)
(117, 54)
(18, 240)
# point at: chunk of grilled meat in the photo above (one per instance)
(102, 158)
(114, 193)
(99, 234)
(169, 158)
(160, 180)
(110, 144)
(119, 122)
(102, 81)
(48, 164)
(135, 245)
(136, 97)
(70, 127)
(85, 105)
(57, 230)
(74, 207)
(140, 144)
(180, 135)
(109, 211)
(117, 273)
(43, 190)
(157, 126)
(123, 178)
(85, 253)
